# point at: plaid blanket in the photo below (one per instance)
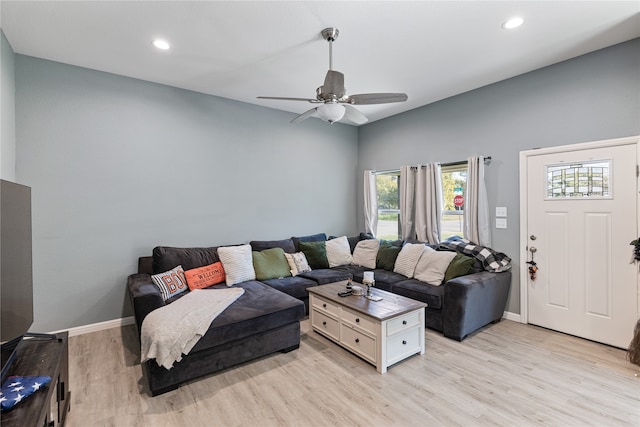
(491, 260)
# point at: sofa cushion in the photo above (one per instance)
(387, 254)
(338, 251)
(261, 308)
(170, 283)
(238, 263)
(166, 257)
(286, 245)
(297, 263)
(295, 286)
(432, 266)
(366, 252)
(320, 237)
(408, 259)
(352, 269)
(270, 264)
(316, 254)
(353, 240)
(325, 275)
(461, 265)
(202, 277)
(421, 291)
(384, 279)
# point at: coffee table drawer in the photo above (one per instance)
(403, 344)
(358, 343)
(324, 305)
(359, 320)
(403, 323)
(325, 324)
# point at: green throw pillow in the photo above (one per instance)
(270, 264)
(316, 254)
(459, 266)
(387, 254)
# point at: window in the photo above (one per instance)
(388, 205)
(454, 183)
(578, 181)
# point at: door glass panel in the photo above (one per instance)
(579, 180)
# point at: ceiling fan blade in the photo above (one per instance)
(353, 115)
(279, 98)
(377, 98)
(334, 83)
(305, 115)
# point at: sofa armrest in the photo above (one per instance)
(144, 295)
(473, 301)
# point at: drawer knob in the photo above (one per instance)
(324, 305)
(404, 322)
(357, 340)
(357, 320)
(324, 323)
(404, 342)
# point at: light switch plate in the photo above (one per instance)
(501, 222)
(501, 211)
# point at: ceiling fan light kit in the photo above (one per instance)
(336, 104)
(330, 112)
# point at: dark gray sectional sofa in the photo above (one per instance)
(266, 318)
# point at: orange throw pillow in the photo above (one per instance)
(203, 277)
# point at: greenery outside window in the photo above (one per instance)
(388, 205)
(454, 185)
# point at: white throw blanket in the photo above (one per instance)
(171, 331)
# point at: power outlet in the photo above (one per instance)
(501, 222)
(501, 211)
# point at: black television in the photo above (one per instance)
(16, 276)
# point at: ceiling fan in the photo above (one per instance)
(336, 104)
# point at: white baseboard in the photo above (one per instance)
(116, 323)
(511, 316)
(100, 326)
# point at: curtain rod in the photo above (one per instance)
(486, 159)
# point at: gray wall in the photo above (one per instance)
(589, 98)
(118, 166)
(7, 111)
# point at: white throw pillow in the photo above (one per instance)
(366, 252)
(432, 265)
(408, 259)
(338, 251)
(297, 263)
(237, 263)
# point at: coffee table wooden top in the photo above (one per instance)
(391, 305)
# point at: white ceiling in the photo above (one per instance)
(430, 50)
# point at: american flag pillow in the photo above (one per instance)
(16, 389)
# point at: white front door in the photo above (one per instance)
(582, 213)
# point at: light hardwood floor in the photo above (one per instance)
(509, 374)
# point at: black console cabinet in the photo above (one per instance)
(49, 406)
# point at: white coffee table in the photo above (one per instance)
(381, 332)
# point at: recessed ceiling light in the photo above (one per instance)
(513, 23)
(161, 44)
